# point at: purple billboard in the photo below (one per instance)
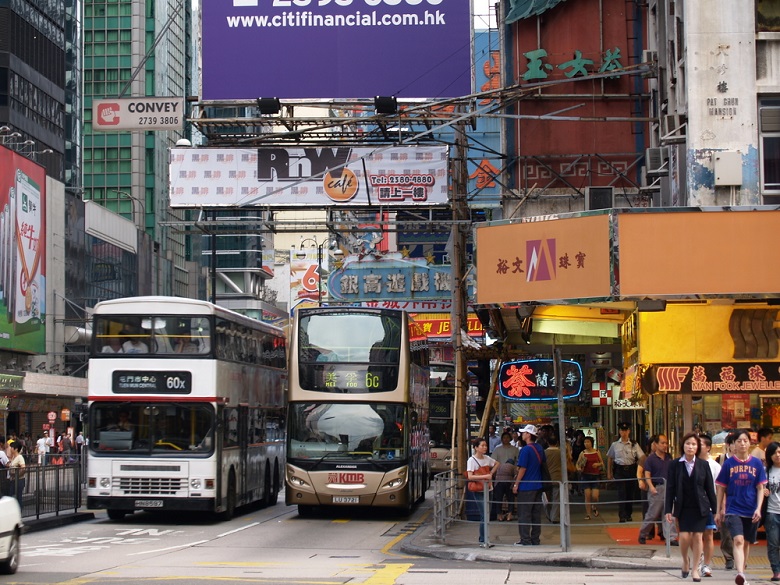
(312, 49)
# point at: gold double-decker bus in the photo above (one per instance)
(357, 426)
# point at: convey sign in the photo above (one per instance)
(141, 113)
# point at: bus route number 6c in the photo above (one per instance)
(372, 380)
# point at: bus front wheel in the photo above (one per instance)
(305, 511)
(116, 514)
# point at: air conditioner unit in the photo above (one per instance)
(657, 161)
(650, 59)
(673, 128)
(599, 198)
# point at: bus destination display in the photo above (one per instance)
(126, 382)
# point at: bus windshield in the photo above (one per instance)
(134, 335)
(151, 428)
(343, 430)
(349, 352)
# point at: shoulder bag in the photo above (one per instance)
(477, 485)
(547, 486)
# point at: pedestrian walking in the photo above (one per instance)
(41, 448)
(690, 497)
(772, 519)
(476, 470)
(590, 465)
(656, 470)
(623, 457)
(726, 542)
(765, 436)
(5, 489)
(708, 538)
(552, 507)
(740, 495)
(506, 455)
(16, 471)
(528, 487)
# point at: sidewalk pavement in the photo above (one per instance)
(599, 543)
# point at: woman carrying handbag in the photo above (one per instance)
(480, 469)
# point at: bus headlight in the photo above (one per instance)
(195, 484)
(394, 483)
(105, 482)
(297, 481)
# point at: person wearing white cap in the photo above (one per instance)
(528, 487)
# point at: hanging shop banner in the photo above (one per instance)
(535, 380)
(307, 288)
(341, 49)
(343, 175)
(712, 378)
(22, 253)
(439, 325)
(554, 259)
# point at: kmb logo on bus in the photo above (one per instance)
(345, 478)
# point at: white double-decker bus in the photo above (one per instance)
(186, 407)
(358, 409)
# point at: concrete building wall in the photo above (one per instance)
(720, 66)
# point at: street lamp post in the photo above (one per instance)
(320, 246)
(142, 208)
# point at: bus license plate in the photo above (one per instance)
(148, 503)
(346, 499)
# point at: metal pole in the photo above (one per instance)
(563, 446)
(319, 272)
(214, 262)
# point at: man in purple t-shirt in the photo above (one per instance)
(656, 468)
(740, 495)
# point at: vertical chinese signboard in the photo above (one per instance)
(22, 253)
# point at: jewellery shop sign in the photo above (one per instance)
(712, 378)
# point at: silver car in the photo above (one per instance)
(10, 534)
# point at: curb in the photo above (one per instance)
(38, 524)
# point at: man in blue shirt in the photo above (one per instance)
(528, 487)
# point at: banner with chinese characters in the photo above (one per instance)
(22, 254)
(544, 260)
(712, 378)
(389, 278)
(535, 380)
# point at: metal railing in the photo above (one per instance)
(453, 507)
(44, 489)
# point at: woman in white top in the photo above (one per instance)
(772, 519)
(481, 459)
(16, 470)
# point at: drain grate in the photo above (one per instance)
(645, 553)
